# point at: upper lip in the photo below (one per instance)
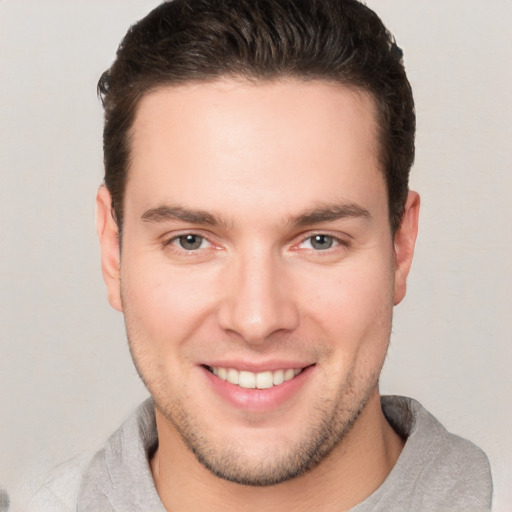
(248, 366)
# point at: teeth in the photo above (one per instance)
(246, 380)
(250, 380)
(264, 380)
(278, 377)
(289, 374)
(233, 376)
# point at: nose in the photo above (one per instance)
(258, 300)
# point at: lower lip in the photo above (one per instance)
(258, 399)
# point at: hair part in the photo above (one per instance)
(186, 41)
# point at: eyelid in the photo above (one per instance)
(340, 237)
(342, 240)
(168, 239)
(202, 241)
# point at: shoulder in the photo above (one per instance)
(60, 489)
(430, 442)
(437, 470)
(110, 479)
(457, 470)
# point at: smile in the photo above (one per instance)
(250, 380)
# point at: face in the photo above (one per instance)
(258, 272)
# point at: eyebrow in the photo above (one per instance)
(167, 213)
(330, 213)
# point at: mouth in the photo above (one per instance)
(251, 380)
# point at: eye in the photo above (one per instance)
(190, 242)
(321, 242)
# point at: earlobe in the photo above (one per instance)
(108, 235)
(404, 241)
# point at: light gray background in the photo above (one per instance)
(66, 379)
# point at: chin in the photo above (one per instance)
(261, 456)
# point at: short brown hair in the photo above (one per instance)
(185, 41)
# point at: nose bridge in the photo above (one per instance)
(259, 299)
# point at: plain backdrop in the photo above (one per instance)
(66, 378)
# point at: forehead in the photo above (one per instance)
(280, 143)
(272, 105)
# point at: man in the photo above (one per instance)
(257, 230)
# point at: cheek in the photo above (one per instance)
(354, 305)
(164, 306)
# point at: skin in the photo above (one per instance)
(268, 163)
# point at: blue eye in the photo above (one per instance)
(321, 242)
(190, 242)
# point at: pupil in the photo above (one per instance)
(190, 242)
(322, 242)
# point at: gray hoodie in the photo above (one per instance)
(436, 471)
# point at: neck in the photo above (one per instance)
(352, 471)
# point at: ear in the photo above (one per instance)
(108, 235)
(404, 241)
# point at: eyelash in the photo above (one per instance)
(170, 241)
(336, 242)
